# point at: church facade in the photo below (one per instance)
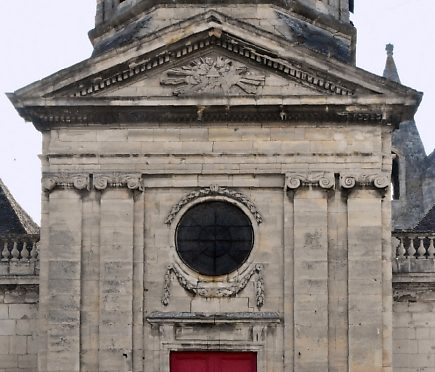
(216, 196)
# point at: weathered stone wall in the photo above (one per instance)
(414, 323)
(321, 192)
(18, 327)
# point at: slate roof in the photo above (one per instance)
(13, 218)
(428, 222)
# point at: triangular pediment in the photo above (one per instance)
(212, 57)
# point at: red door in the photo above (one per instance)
(213, 362)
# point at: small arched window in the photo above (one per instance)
(395, 177)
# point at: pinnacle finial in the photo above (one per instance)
(390, 49)
(390, 71)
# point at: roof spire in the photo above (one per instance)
(390, 71)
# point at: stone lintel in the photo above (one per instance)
(159, 317)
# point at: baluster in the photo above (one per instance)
(25, 252)
(5, 252)
(15, 252)
(401, 249)
(431, 249)
(421, 251)
(34, 252)
(411, 248)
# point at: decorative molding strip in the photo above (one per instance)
(378, 180)
(116, 180)
(215, 75)
(225, 289)
(214, 190)
(111, 78)
(65, 181)
(325, 180)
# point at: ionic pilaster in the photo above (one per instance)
(377, 181)
(99, 182)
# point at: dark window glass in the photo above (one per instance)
(214, 238)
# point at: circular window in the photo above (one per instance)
(214, 238)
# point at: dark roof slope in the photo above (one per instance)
(13, 218)
(428, 222)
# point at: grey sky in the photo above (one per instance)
(40, 37)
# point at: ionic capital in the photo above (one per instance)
(378, 181)
(118, 180)
(324, 180)
(65, 181)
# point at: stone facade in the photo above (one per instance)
(255, 106)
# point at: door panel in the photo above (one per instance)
(213, 362)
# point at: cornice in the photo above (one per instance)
(51, 117)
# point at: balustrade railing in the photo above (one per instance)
(19, 248)
(418, 245)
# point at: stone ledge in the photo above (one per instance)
(159, 317)
(19, 280)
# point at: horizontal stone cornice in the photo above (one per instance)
(224, 110)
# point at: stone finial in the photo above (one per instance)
(390, 49)
(390, 71)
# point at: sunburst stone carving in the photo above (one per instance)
(212, 75)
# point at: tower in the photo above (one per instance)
(322, 25)
(216, 192)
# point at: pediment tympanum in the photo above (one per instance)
(214, 74)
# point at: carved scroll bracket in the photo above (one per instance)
(210, 191)
(215, 289)
(65, 181)
(378, 181)
(323, 180)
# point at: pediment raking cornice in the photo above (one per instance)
(231, 45)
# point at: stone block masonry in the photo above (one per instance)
(18, 327)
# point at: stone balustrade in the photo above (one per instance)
(414, 251)
(19, 254)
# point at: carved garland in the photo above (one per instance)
(230, 289)
(323, 180)
(214, 190)
(83, 181)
